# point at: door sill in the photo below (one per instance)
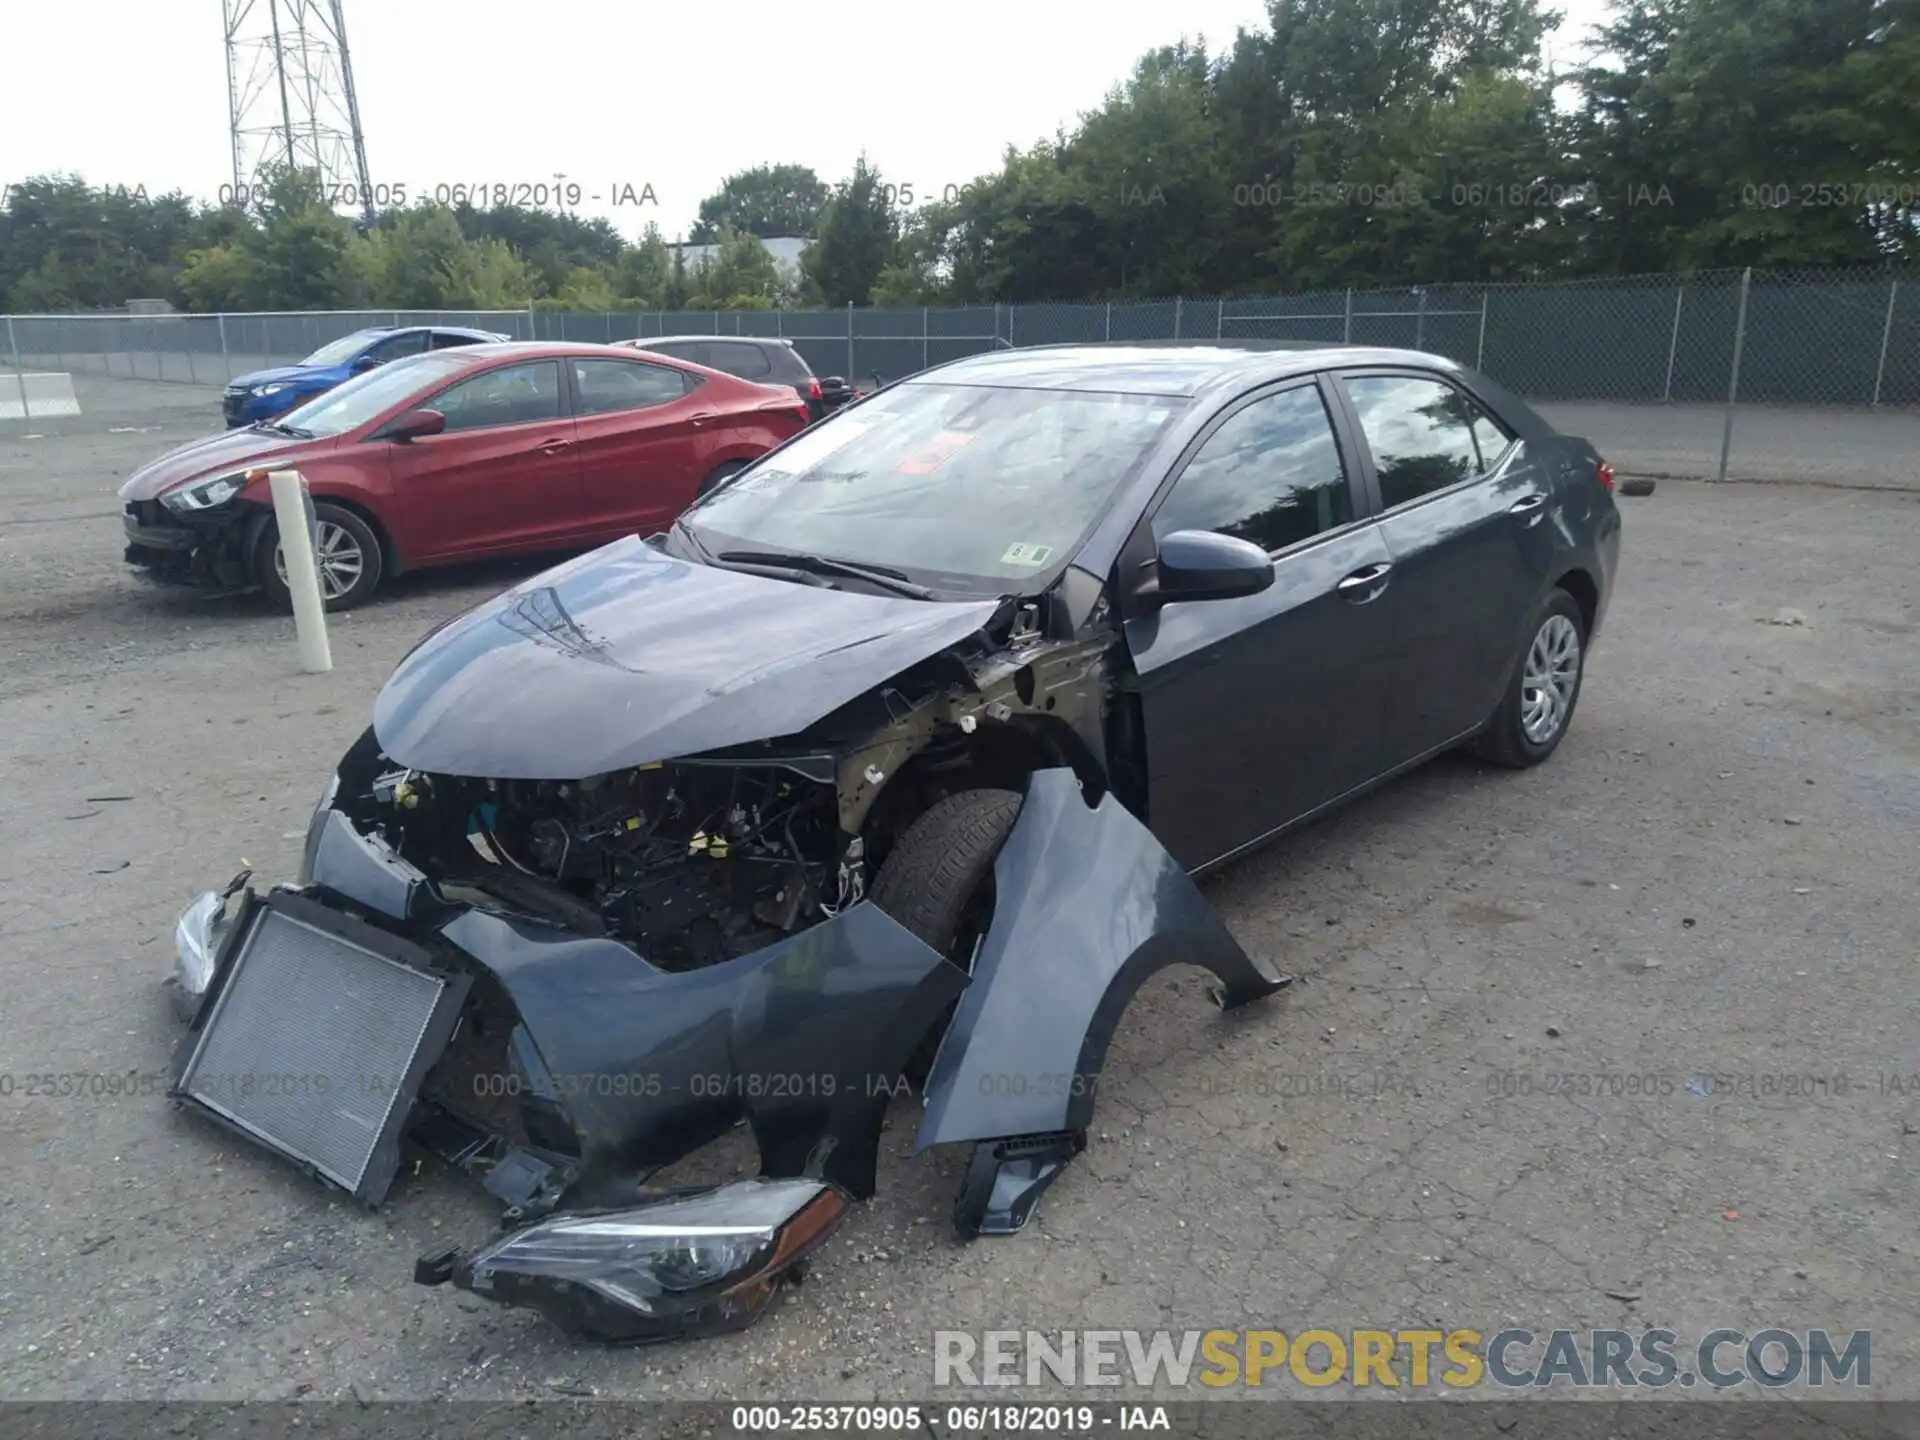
(1385, 776)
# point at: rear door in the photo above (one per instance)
(1461, 504)
(1259, 710)
(645, 437)
(502, 475)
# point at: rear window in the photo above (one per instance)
(749, 362)
(788, 363)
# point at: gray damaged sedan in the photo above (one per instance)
(890, 765)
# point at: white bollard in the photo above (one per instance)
(303, 576)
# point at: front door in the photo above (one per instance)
(1259, 710)
(500, 477)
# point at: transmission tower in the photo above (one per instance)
(291, 99)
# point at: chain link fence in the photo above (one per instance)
(1822, 367)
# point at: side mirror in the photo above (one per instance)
(414, 424)
(1204, 565)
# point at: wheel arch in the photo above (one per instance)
(996, 756)
(1585, 591)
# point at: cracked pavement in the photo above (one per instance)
(1566, 1050)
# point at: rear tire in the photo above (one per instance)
(721, 473)
(350, 559)
(937, 881)
(1538, 707)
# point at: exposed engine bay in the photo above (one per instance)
(564, 938)
(691, 864)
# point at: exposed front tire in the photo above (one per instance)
(346, 552)
(1538, 707)
(937, 881)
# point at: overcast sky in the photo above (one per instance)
(612, 93)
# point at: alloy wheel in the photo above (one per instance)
(1550, 678)
(336, 555)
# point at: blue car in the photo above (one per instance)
(249, 399)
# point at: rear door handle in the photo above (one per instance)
(1527, 510)
(554, 447)
(1364, 585)
(700, 417)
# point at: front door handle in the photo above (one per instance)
(1364, 585)
(554, 447)
(1528, 509)
(700, 417)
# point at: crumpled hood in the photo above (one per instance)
(626, 656)
(220, 454)
(315, 376)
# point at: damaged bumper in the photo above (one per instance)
(208, 551)
(334, 1020)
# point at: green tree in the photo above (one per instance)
(220, 277)
(644, 271)
(857, 236)
(742, 269)
(769, 201)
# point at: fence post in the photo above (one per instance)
(1109, 329)
(1177, 303)
(1480, 346)
(1886, 336)
(226, 361)
(925, 353)
(1673, 342)
(850, 366)
(1219, 319)
(533, 322)
(996, 328)
(1420, 319)
(1733, 375)
(19, 373)
(1346, 330)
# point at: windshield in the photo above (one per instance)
(345, 348)
(968, 487)
(352, 403)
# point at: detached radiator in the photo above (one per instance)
(316, 1038)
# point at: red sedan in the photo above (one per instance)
(455, 455)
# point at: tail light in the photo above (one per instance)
(1604, 471)
(813, 389)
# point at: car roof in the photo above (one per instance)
(644, 341)
(526, 349)
(1179, 368)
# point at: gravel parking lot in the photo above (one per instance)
(1478, 1108)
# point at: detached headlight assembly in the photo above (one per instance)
(700, 1264)
(204, 495)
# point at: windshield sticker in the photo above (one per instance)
(1021, 553)
(940, 449)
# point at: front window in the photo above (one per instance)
(968, 488)
(507, 395)
(354, 402)
(345, 348)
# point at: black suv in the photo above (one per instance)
(761, 358)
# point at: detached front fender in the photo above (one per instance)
(1087, 906)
